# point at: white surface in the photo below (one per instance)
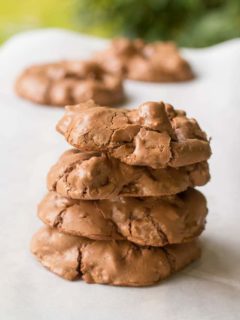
(210, 288)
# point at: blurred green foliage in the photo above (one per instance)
(189, 22)
(21, 15)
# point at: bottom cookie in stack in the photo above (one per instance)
(123, 241)
(119, 263)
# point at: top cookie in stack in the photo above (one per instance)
(154, 134)
(127, 185)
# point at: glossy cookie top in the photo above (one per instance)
(154, 134)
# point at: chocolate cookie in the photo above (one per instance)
(93, 176)
(69, 82)
(109, 262)
(154, 135)
(137, 60)
(144, 221)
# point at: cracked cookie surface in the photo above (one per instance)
(94, 176)
(153, 62)
(144, 221)
(69, 82)
(154, 134)
(119, 263)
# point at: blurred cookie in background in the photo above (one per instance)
(152, 62)
(69, 82)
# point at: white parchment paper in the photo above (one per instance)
(29, 145)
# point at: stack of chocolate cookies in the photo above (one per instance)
(121, 207)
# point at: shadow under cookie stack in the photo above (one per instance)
(121, 207)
